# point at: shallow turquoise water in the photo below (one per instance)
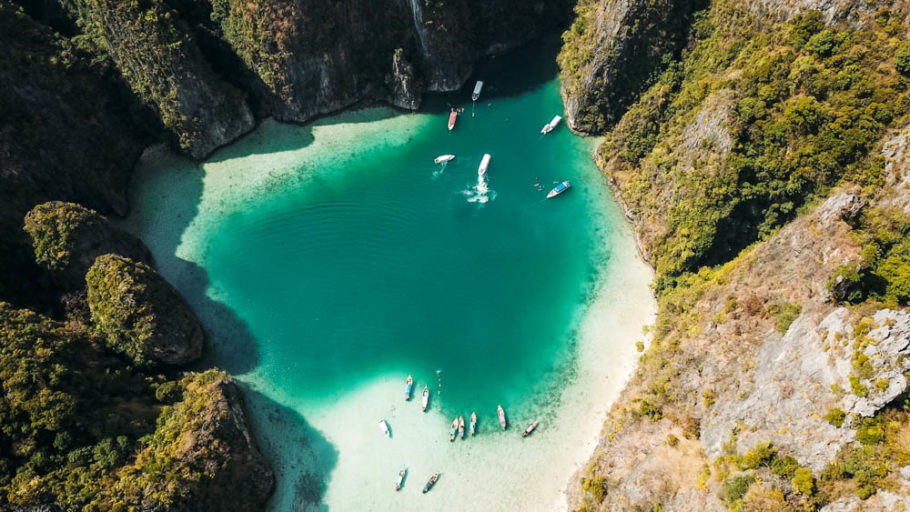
(324, 257)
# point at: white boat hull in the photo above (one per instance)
(443, 158)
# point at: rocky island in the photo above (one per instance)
(758, 147)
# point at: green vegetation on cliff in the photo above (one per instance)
(726, 164)
(161, 62)
(140, 314)
(789, 110)
(69, 412)
(198, 454)
(67, 238)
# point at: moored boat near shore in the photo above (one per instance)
(430, 483)
(384, 427)
(401, 475)
(409, 386)
(426, 398)
(454, 432)
(502, 417)
(530, 429)
(461, 427)
(477, 88)
(473, 423)
(547, 128)
(453, 116)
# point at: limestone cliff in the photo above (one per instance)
(201, 457)
(161, 62)
(68, 237)
(767, 186)
(140, 314)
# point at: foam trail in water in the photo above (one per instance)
(480, 193)
(440, 169)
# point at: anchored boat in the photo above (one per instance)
(476, 94)
(461, 427)
(409, 386)
(454, 431)
(547, 128)
(430, 483)
(484, 163)
(453, 116)
(426, 398)
(401, 475)
(530, 429)
(559, 189)
(384, 427)
(441, 159)
(502, 417)
(473, 423)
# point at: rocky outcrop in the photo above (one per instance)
(161, 62)
(612, 53)
(141, 314)
(205, 446)
(68, 237)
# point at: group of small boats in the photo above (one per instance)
(485, 162)
(458, 429)
(426, 488)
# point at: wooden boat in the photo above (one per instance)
(384, 427)
(401, 475)
(409, 386)
(461, 427)
(559, 189)
(484, 163)
(454, 431)
(430, 483)
(502, 417)
(473, 423)
(547, 128)
(476, 94)
(426, 398)
(453, 116)
(530, 429)
(441, 159)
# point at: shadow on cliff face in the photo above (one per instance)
(301, 457)
(510, 74)
(167, 206)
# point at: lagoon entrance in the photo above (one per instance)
(329, 261)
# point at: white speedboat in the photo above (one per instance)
(559, 189)
(484, 163)
(384, 427)
(426, 398)
(476, 94)
(547, 128)
(441, 159)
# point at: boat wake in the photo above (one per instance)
(480, 193)
(441, 168)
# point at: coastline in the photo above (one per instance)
(497, 469)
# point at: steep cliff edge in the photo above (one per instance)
(161, 62)
(765, 172)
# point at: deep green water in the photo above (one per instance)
(324, 257)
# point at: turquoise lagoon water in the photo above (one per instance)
(329, 261)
